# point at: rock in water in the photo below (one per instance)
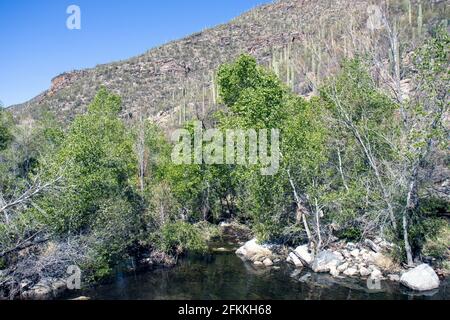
(325, 261)
(302, 252)
(252, 251)
(421, 278)
(295, 260)
(334, 272)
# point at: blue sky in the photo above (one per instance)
(35, 44)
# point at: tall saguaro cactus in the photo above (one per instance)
(410, 13)
(420, 19)
(213, 88)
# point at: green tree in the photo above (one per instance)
(97, 162)
(5, 129)
(256, 99)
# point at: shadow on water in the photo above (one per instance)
(224, 276)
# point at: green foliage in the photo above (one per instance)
(5, 129)
(29, 148)
(256, 99)
(437, 243)
(427, 228)
(113, 233)
(325, 142)
(97, 163)
(254, 96)
(350, 234)
(353, 97)
(178, 237)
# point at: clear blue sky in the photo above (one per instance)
(35, 44)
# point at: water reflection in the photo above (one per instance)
(225, 276)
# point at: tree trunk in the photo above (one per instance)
(409, 257)
(411, 205)
(301, 211)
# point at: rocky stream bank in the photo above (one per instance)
(368, 260)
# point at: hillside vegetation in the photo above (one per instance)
(364, 156)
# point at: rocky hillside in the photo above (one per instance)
(301, 40)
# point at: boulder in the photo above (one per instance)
(304, 255)
(252, 251)
(351, 272)
(376, 274)
(346, 254)
(372, 245)
(394, 277)
(40, 291)
(421, 278)
(334, 272)
(267, 262)
(45, 289)
(343, 267)
(364, 272)
(340, 255)
(258, 263)
(292, 258)
(355, 253)
(82, 298)
(325, 261)
(382, 261)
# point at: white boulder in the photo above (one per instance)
(343, 267)
(364, 272)
(351, 272)
(376, 274)
(421, 278)
(334, 272)
(253, 251)
(302, 252)
(292, 258)
(355, 253)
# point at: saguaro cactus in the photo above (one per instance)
(420, 19)
(410, 12)
(213, 88)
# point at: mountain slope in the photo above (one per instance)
(301, 40)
